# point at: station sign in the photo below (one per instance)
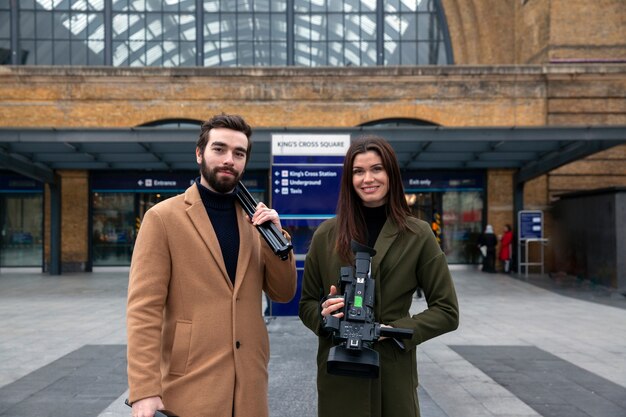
(305, 180)
(305, 189)
(306, 173)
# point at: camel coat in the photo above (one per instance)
(403, 262)
(193, 339)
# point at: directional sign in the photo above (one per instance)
(530, 224)
(305, 181)
(305, 190)
(306, 173)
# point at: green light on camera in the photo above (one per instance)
(358, 301)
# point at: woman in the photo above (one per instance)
(506, 248)
(489, 240)
(372, 210)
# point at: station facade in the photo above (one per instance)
(472, 64)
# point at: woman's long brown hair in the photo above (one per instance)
(350, 217)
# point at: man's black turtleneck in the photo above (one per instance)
(375, 218)
(223, 216)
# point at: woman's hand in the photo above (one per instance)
(332, 305)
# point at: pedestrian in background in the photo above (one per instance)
(506, 248)
(373, 211)
(197, 341)
(487, 243)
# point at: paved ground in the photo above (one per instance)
(526, 348)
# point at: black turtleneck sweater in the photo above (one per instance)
(375, 218)
(223, 216)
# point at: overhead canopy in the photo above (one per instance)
(532, 150)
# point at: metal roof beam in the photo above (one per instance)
(26, 168)
(553, 160)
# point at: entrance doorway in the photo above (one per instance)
(116, 221)
(455, 218)
(21, 229)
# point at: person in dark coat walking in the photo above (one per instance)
(372, 210)
(487, 244)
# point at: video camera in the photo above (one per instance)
(357, 329)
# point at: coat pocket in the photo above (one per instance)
(180, 348)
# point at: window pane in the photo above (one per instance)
(408, 50)
(5, 25)
(392, 53)
(187, 53)
(262, 5)
(62, 24)
(279, 27)
(278, 5)
(279, 53)
(154, 29)
(262, 27)
(368, 26)
(301, 5)
(95, 53)
(119, 5)
(21, 222)
(244, 27)
(44, 26)
(113, 228)
(352, 26)
(427, 27)
(61, 53)
(335, 27)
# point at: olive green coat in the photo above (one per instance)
(402, 263)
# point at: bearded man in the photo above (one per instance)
(197, 341)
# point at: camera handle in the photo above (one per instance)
(274, 237)
(394, 332)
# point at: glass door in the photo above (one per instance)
(21, 229)
(113, 231)
(116, 221)
(462, 221)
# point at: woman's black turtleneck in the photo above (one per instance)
(375, 218)
(223, 216)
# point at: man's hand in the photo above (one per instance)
(147, 407)
(263, 214)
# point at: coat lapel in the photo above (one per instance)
(247, 234)
(200, 219)
(387, 236)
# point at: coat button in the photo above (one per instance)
(237, 344)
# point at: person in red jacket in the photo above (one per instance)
(506, 248)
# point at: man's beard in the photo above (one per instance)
(223, 185)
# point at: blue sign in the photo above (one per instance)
(530, 224)
(141, 181)
(305, 191)
(430, 181)
(161, 181)
(305, 181)
(16, 183)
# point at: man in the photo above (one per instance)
(197, 342)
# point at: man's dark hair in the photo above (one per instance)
(228, 121)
